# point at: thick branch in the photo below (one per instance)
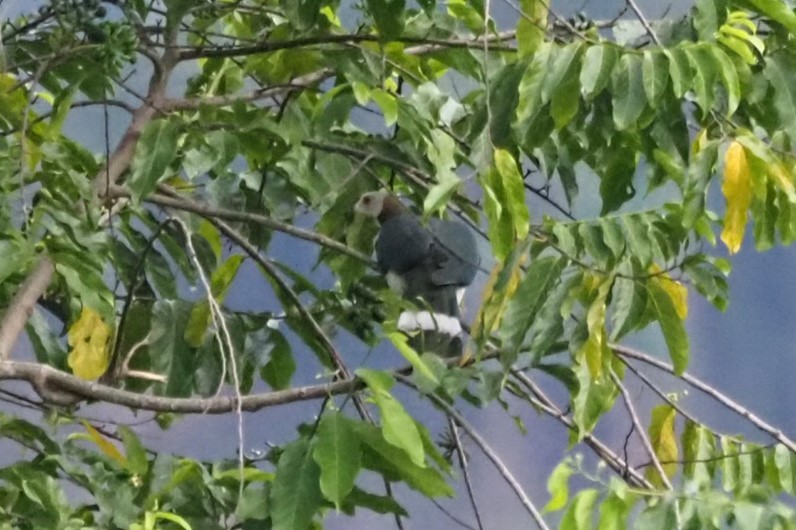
(38, 374)
(22, 305)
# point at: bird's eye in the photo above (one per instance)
(366, 200)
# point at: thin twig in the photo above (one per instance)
(709, 390)
(640, 430)
(493, 457)
(614, 461)
(465, 473)
(644, 22)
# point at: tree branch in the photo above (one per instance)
(734, 406)
(631, 410)
(36, 374)
(425, 45)
(180, 202)
(493, 457)
(614, 461)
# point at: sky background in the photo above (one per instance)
(748, 352)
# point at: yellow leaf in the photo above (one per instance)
(89, 338)
(699, 141)
(105, 446)
(595, 348)
(664, 443)
(676, 290)
(737, 189)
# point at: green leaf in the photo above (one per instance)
(704, 67)
(137, 461)
(336, 451)
(281, 366)
(579, 514)
(542, 275)
(628, 97)
(296, 494)
(398, 427)
(673, 329)
(220, 283)
(388, 16)
(558, 486)
(384, 457)
(515, 192)
(780, 71)
(176, 359)
(656, 76)
(530, 27)
(679, 71)
(614, 513)
(155, 150)
(779, 12)
(598, 64)
(729, 76)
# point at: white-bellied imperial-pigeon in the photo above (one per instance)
(426, 263)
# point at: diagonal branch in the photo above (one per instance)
(631, 410)
(493, 457)
(734, 406)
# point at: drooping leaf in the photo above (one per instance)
(672, 326)
(336, 451)
(89, 337)
(155, 151)
(664, 442)
(296, 493)
(737, 190)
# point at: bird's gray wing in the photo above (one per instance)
(454, 253)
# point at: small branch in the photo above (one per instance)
(640, 430)
(614, 461)
(493, 457)
(180, 202)
(425, 45)
(734, 406)
(22, 305)
(465, 473)
(299, 83)
(644, 22)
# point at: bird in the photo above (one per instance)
(429, 266)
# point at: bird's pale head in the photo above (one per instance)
(371, 203)
(379, 204)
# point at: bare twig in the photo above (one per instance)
(22, 305)
(640, 430)
(734, 406)
(493, 457)
(465, 473)
(614, 461)
(644, 22)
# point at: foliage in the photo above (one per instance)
(270, 126)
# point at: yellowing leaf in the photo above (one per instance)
(105, 446)
(676, 290)
(89, 338)
(594, 349)
(783, 179)
(664, 443)
(737, 189)
(699, 142)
